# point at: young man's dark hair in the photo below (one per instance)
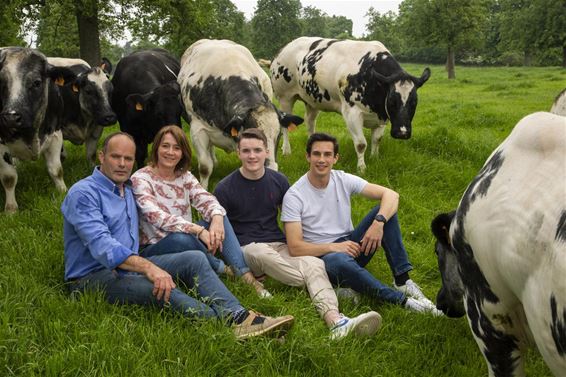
(253, 133)
(319, 136)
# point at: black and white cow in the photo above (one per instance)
(559, 105)
(225, 91)
(30, 111)
(358, 79)
(146, 96)
(502, 253)
(86, 102)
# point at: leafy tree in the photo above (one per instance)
(314, 22)
(274, 24)
(11, 20)
(339, 27)
(552, 15)
(384, 28)
(453, 24)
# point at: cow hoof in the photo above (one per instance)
(362, 168)
(11, 209)
(286, 151)
(61, 188)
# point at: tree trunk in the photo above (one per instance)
(450, 63)
(89, 36)
(563, 56)
(528, 59)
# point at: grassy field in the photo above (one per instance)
(44, 332)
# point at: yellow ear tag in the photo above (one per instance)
(139, 106)
(292, 127)
(60, 81)
(234, 132)
(75, 88)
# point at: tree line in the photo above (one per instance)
(484, 32)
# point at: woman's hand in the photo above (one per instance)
(216, 231)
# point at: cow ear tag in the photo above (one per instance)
(292, 127)
(234, 132)
(75, 88)
(60, 81)
(139, 106)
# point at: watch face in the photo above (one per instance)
(380, 218)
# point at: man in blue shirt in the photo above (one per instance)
(101, 251)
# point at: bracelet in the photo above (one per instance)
(200, 231)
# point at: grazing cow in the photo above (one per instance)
(146, 96)
(358, 79)
(559, 105)
(30, 110)
(225, 91)
(502, 253)
(86, 103)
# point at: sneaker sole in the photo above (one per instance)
(368, 324)
(277, 329)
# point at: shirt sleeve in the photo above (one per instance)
(292, 207)
(156, 213)
(220, 192)
(82, 210)
(353, 183)
(204, 202)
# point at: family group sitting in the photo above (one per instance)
(134, 239)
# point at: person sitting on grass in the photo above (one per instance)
(165, 191)
(101, 238)
(317, 217)
(252, 196)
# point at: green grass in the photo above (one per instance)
(44, 332)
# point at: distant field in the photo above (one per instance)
(43, 332)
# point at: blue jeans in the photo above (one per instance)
(188, 267)
(231, 251)
(345, 270)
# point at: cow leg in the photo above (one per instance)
(310, 114)
(354, 120)
(9, 178)
(496, 338)
(51, 151)
(286, 107)
(201, 143)
(376, 135)
(92, 142)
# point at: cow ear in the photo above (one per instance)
(60, 75)
(440, 227)
(106, 66)
(424, 77)
(290, 121)
(136, 101)
(234, 125)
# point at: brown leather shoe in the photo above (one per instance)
(257, 324)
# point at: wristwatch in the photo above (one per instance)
(380, 218)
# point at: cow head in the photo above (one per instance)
(95, 91)
(160, 107)
(25, 77)
(450, 298)
(401, 100)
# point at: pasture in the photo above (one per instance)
(458, 123)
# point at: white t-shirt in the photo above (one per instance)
(325, 214)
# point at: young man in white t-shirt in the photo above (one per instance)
(317, 216)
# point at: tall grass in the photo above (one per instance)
(458, 123)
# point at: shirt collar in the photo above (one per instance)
(107, 182)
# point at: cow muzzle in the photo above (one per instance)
(107, 120)
(402, 132)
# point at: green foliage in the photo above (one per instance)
(10, 20)
(384, 28)
(458, 123)
(275, 23)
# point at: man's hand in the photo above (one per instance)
(204, 236)
(216, 231)
(372, 238)
(348, 247)
(162, 282)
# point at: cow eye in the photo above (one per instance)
(36, 83)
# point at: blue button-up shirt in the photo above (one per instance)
(100, 226)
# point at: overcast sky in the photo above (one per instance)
(354, 10)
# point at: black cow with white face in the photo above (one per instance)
(30, 111)
(358, 79)
(225, 91)
(502, 253)
(86, 102)
(146, 96)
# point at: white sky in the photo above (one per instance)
(354, 10)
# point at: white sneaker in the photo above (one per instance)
(411, 289)
(264, 293)
(365, 324)
(348, 294)
(422, 306)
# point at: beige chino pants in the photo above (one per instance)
(273, 259)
